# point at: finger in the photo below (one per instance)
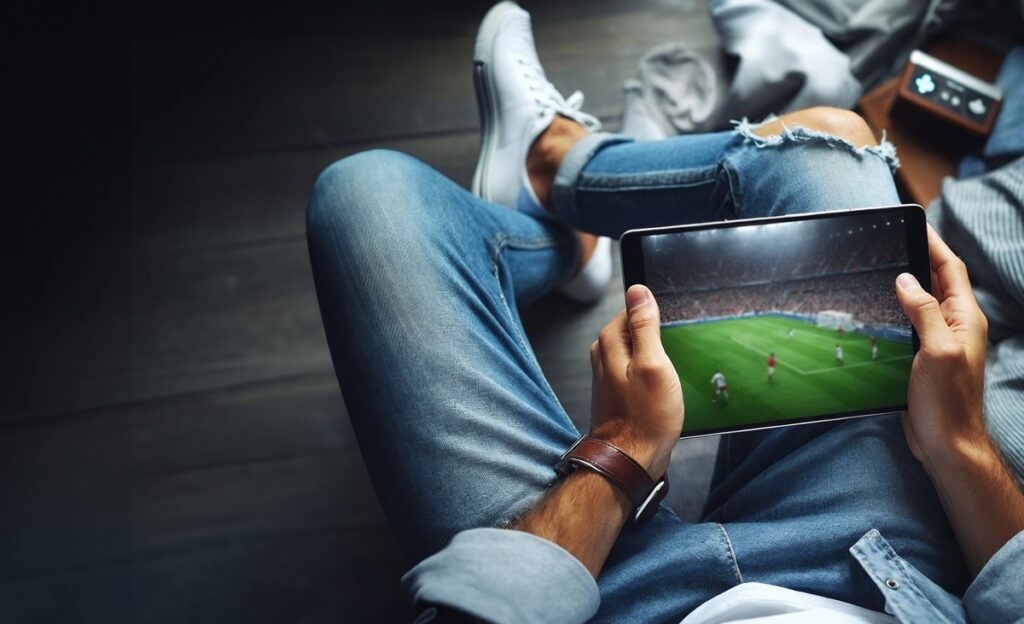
(958, 303)
(923, 311)
(613, 342)
(595, 359)
(950, 270)
(937, 288)
(644, 325)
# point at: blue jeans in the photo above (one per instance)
(419, 284)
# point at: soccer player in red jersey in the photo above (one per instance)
(771, 368)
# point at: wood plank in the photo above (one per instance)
(96, 511)
(176, 324)
(213, 203)
(200, 97)
(212, 288)
(275, 419)
(310, 577)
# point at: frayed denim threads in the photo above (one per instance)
(884, 150)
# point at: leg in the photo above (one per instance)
(794, 500)
(606, 184)
(417, 282)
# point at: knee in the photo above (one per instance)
(837, 122)
(356, 189)
(845, 124)
(381, 207)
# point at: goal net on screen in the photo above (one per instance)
(834, 319)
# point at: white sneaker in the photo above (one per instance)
(591, 283)
(516, 104)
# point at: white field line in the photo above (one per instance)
(819, 370)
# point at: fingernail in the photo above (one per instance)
(907, 281)
(636, 296)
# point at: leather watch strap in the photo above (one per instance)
(619, 468)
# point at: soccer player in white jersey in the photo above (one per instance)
(839, 355)
(874, 348)
(721, 388)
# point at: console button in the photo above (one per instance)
(925, 84)
(977, 107)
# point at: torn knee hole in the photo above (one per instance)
(776, 132)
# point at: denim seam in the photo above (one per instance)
(671, 178)
(885, 150)
(642, 187)
(536, 244)
(498, 244)
(531, 244)
(734, 186)
(732, 553)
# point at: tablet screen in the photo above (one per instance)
(779, 322)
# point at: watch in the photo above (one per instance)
(622, 470)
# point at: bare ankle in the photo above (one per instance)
(547, 152)
(588, 243)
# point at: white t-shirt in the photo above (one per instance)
(757, 603)
(719, 380)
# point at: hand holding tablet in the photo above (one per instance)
(788, 320)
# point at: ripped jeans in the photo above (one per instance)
(419, 284)
(609, 184)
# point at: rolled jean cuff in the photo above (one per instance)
(563, 189)
(501, 575)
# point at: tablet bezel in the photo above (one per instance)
(633, 272)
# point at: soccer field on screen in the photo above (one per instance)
(808, 379)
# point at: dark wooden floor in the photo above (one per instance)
(173, 444)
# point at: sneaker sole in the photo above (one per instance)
(485, 102)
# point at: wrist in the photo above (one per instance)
(960, 457)
(653, 455)
(610, 497)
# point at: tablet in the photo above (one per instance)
(784, 320)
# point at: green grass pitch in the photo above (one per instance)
(808, 379)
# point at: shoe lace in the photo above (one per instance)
(548, 99)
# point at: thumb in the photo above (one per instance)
(644, 324)
(922, 309)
